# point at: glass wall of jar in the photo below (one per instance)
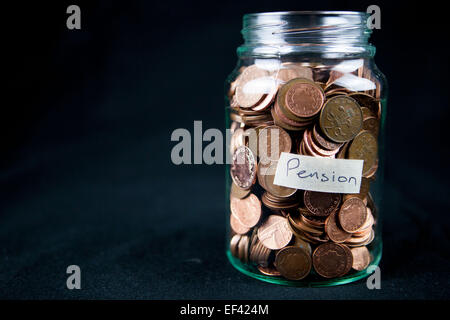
(305, 85)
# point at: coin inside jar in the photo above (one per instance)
(237, 226)
(276, 190)
(364, 147)
(248, 89)
(334, 231)
(321, 203)
(304, 98)
(361, 258)
(331, 260)
(293, 263)
(272, 141)
(243, 167)
(352, 214)
(247, 211)
(275, 233)
(341, 119)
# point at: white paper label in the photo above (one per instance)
(319, 174)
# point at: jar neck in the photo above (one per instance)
(326, 34)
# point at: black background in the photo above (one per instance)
(86, 176)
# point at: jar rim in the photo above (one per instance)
(310, 12)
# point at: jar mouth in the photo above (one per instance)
(343, 30)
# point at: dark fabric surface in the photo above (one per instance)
(86, 176)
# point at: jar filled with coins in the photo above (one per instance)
(305, 112)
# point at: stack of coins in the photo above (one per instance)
(300, 108)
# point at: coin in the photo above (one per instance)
(234, 244)
(352, 214)
(304, 98)
(361, 258)
(237, 192)
(272, 141)
(269, 271)
(237, 140)
(247, 211)
(243, 167)
(341, 119)
(334, 231)
(331, 260)
(278, 203)
(364, 147)
(300, 225)
(274, 233)
(293, 263)
(289, 71)
(324, 142)
(243, 249)
(321, 204)
(237, 226)
(366, 100)
(302, 244)
(276, 190)
(268, 99)
(248, 93)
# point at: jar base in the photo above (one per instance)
(314, 281)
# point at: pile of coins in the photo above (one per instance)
(303, 109)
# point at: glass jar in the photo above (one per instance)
(305, 109)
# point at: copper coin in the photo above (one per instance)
(262, 171)
(293, 263)
(332, 260)
(314, 149)
(269, 271)
(268, 99)
(276, 190)
(234, 244)
(341, 119)
(247, 211)
(352, 214)
(291, 71)
(284, 122)
(248, 91)
(302, 244)
(372, 125)
(237, 140)
(334, 231)
(300, 225)
(272, 141)
(324, 142)
(274, 233)
(243, 167)
(364, 147)
(361, 258)
(321, 204)
(368, 101)
(237, 226)
(237, 192)
(243, 248)
(304, 98)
